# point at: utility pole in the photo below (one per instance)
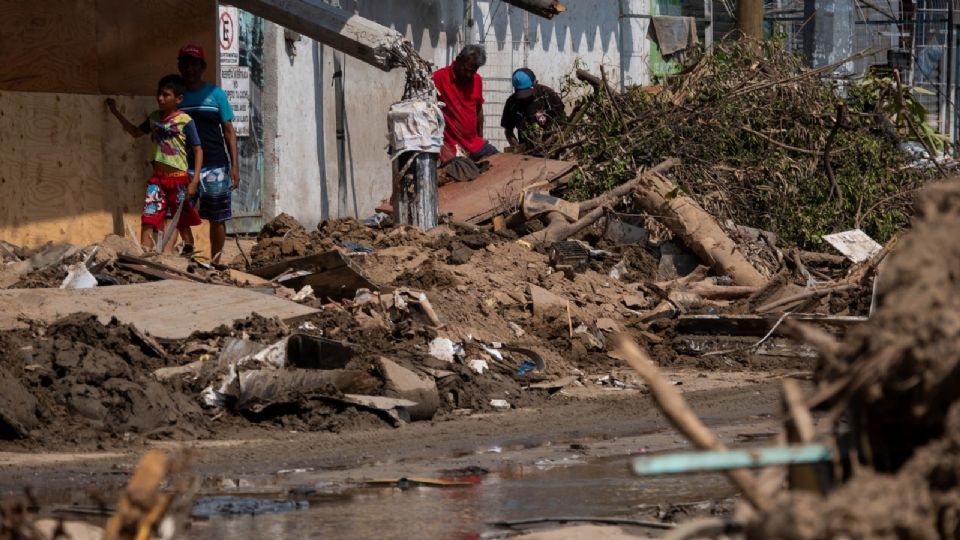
(750, 18)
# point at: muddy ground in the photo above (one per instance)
(493, 450)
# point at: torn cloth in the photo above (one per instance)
(673, 34)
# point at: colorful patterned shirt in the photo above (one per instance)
(173, 138)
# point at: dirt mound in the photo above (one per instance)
(344, 232)
(903, 370)
(427, 277)
(282, 238)
(80, 382)
(898, 378)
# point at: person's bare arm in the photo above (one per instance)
(230, 134)
(197, 166)
(511, 138)
(128, 126)
(480, 120)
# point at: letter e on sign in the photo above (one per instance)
(228, 35)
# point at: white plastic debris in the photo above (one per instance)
(306, 293)
(517, 331)
(78, 277)
(500, 404)
(492, 351)
(445, 349)
(478, 366)
(619, 270)
(854, 244)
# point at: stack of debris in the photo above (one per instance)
(761, 140)
(883, 459)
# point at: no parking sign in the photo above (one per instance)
(227, 35)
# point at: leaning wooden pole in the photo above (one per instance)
(544, 8)
(675, 408)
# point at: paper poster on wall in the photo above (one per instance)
(228, 36)
(235, 81)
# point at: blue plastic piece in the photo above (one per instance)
(748, 458)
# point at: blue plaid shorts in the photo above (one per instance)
(214, 194)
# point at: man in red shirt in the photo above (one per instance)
(461, 91)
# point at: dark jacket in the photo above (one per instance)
(533, 116)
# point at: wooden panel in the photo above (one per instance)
(137, 42)
(69, 172)
(164, 309)
(99, 46)
(48, 46)
(50, 173)
(499, 187)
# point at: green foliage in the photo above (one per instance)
(750, 129)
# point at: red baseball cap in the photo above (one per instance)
(192, 51)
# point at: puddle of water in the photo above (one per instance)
(551, 488)
(224, 505)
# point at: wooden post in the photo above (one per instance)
(750, 18)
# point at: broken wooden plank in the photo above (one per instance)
(330, 274)
(498, 189)
(757, 325)
(166, 309)
(154, 269)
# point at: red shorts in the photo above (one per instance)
(165, 192)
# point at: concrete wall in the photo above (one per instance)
(303, 155)
(304, 167)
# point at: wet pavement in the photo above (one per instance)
(563, 487)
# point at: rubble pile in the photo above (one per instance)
(761, 140)
(895, 381)
(78, 381)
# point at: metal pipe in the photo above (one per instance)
(417, 199)
(951, 119)
(341, 112)
(544, 8)
(624, 10)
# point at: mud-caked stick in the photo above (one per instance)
(682, 417)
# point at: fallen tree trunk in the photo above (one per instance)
(624, 189)
(696, 228)
(712, 291)
(591, 210)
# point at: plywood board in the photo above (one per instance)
(137, 42)
(497, 189)
(50, 174)
(99, 46)
(48, 46)
(164, 309)
(69, 172)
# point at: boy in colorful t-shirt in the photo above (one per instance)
(172, 133)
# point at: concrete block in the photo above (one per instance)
(403, 383)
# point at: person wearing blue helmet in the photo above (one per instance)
(531, 111)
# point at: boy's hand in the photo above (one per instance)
(192, 189)
(234, 178)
